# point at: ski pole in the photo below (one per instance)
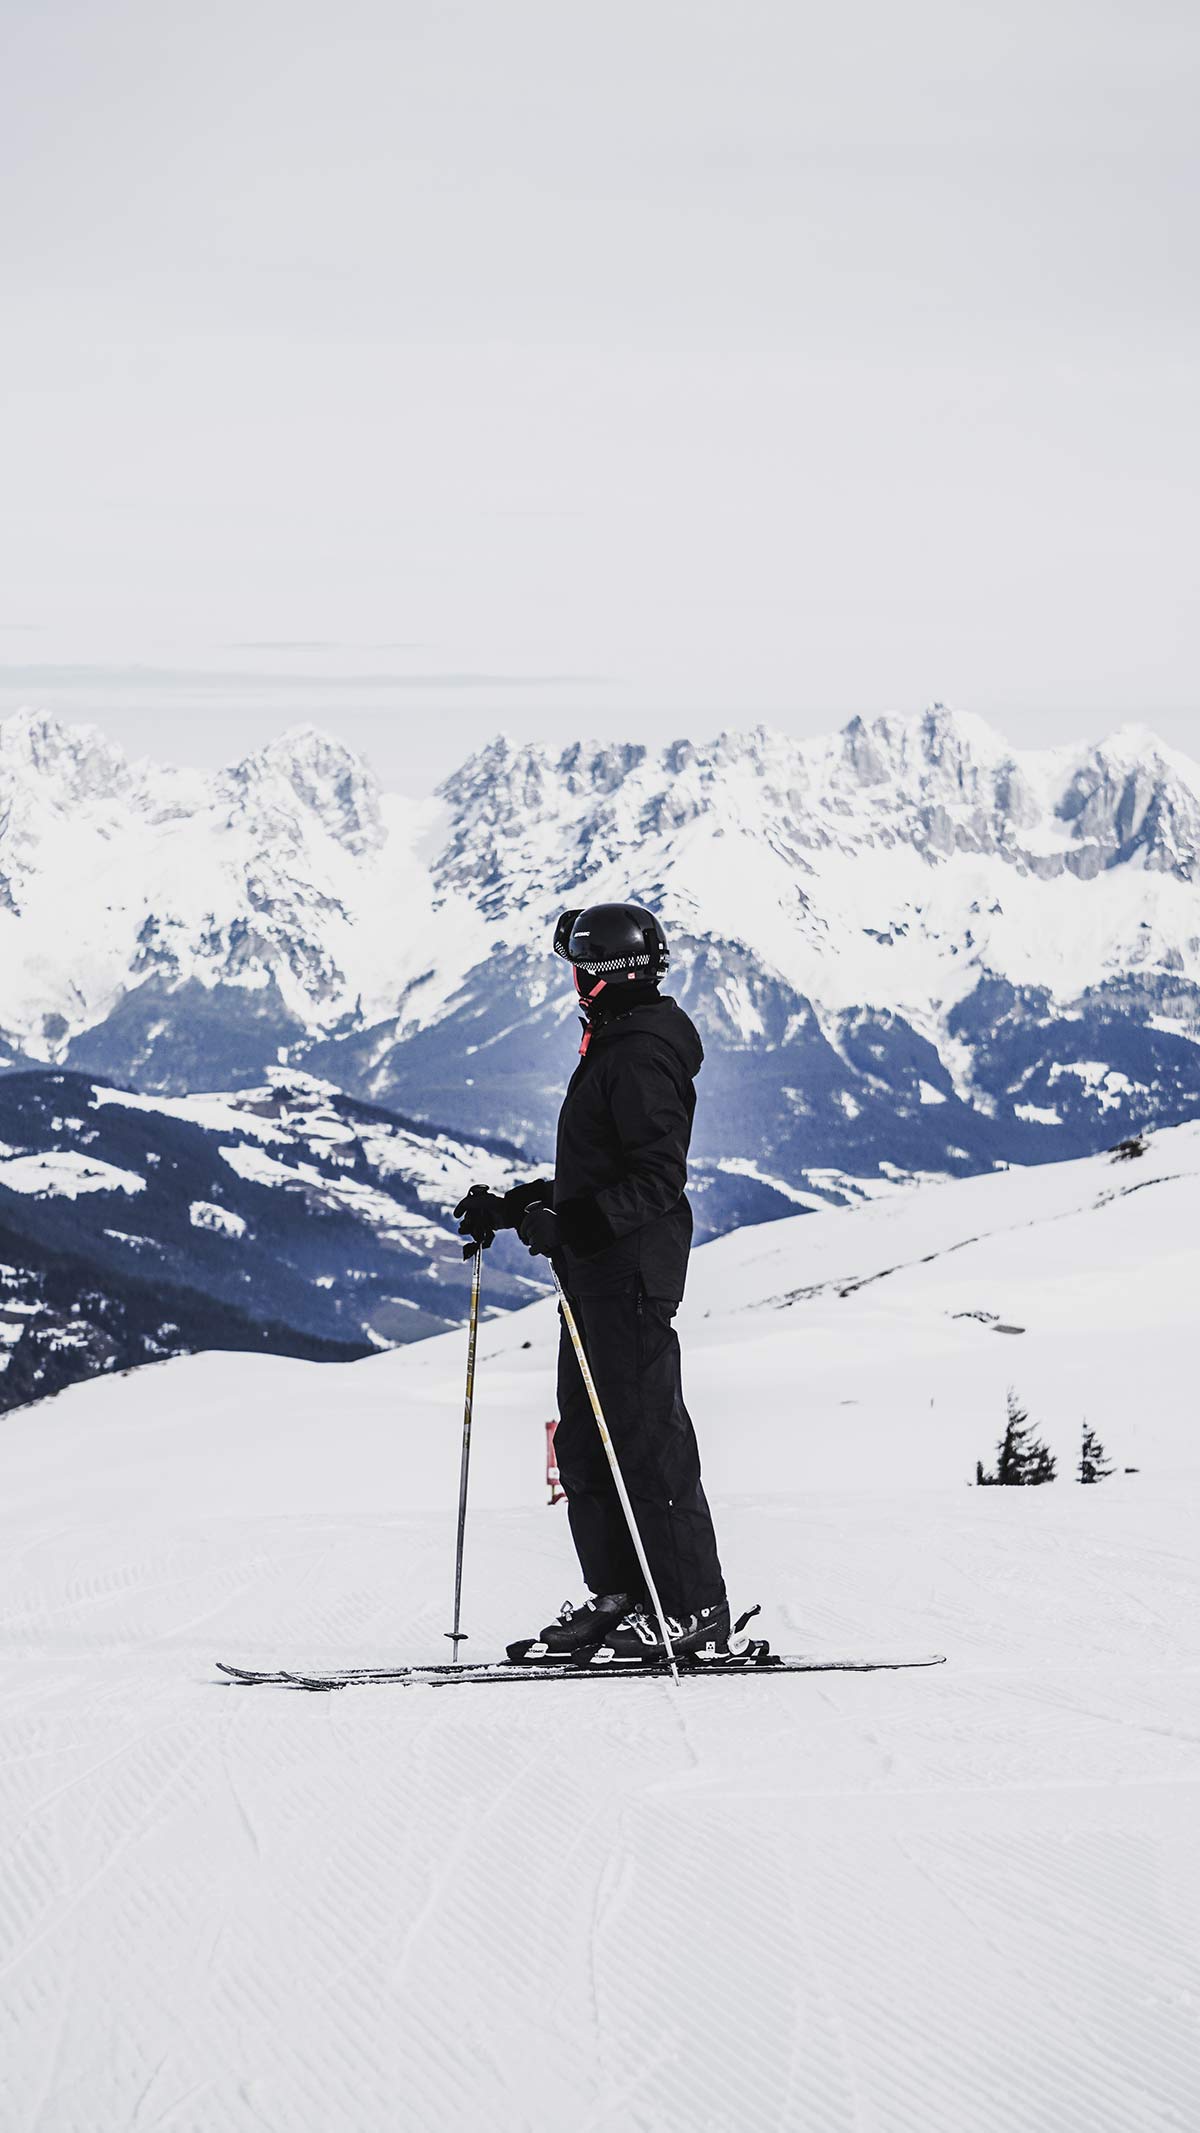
(456, 1635)
(611, 1456)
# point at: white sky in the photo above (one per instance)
(623, 368)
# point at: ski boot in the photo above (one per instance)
(638, 1639)
(577, 1631)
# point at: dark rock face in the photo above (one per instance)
(173, 1039)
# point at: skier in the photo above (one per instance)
(617, 1227)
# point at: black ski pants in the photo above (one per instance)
(633, 1350)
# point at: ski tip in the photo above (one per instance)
(812, 1663)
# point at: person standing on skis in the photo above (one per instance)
(616, 1225)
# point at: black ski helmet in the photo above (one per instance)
(612, 944)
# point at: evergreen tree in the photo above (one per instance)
(1042, 1465)
(1022, 1460)
(1093, 1459)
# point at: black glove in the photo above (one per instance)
(539, 1230)
(479, 1215)
(519, 1197)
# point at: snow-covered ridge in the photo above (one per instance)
(884, 865)
(278, 876)
(285, 1217)
(942, 782)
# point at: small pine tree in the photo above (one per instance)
(1093, 1459)
(1022, 1460)
(1043, 1466)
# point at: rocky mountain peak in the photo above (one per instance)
(939, 748)
(496, 778)
(1130, 797)
(326, 778)
(61, 765)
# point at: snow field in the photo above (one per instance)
(953, 1901)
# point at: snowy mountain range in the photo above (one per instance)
(910, 948)
(288, 1218)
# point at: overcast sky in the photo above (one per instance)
(597, 366)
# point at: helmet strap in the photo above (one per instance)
(585, 1000)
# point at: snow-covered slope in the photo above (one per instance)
(905, 944)
(287, 1217)
(960, 1901)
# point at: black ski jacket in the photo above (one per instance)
(621, 1164)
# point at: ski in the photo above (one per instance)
(757, 1660)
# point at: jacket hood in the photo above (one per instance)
(662, 1018)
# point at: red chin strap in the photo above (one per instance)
(587, 998)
